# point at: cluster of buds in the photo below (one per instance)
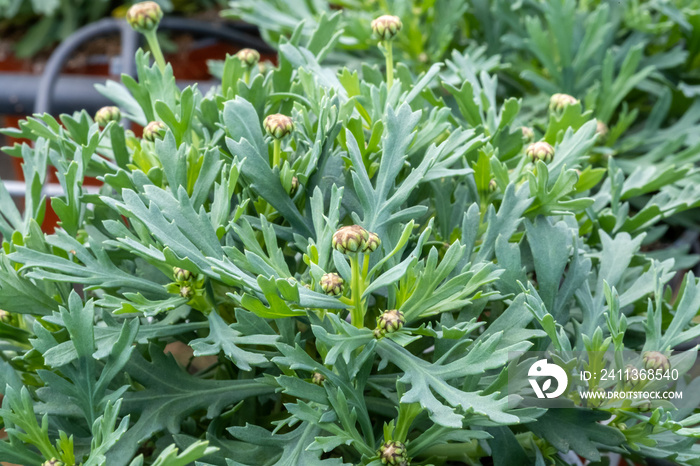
(318, 378)
(186, 284)
(249, 57)
(528, 133)
(332, 284)
(559, 102)
(389, 322)
(540, 151)
(278, 125)
(52, 462)
(354, 238)
(394, 453)
(107, 114)
(386, 27)
(154, 130)
(144, 16)
(656, 360)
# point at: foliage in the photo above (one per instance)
(216, 236)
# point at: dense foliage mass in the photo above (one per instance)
(361, 251)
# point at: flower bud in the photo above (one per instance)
(528, 133)
(144, 16)
(153, 130)
(278, 125)
(656, 360)
(295, 186)
(4, 315)
(493, 186)
(181, 275)
(249, 57)
(394, 453)
(107, 114)
(186, 291)
(386, 27)
(52, 462)
(389, 322)
(332, 284)
(559, 102)
(318, 378)
(601, 130)
(372, 243)
(540, 151)
(350, 239)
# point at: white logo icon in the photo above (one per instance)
(544, 369)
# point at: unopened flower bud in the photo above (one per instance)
(52, 462)
(181, 275)
(493, 186)
(656, 360)
(332, 284)
(153, 130)
(144, 16)
(350, 239)
(295, 186)
(372, 243)
(389, 322)
(559, 102)
(386, 27)
(318, 378)
(278, 125)
(632, 375)
(528, 133)
(107, 114)
(186, 291)
(601, 129)
(4, 315)
(394, 453)
(249, 57)
(540, 151)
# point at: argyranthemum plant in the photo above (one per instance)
(362, 264)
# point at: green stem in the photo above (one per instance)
(389, 55)
(276, 152)
(357, 315)
(153, 44)
(407, 413)
(246, 75)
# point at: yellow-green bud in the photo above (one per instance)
(249, 57)
(52, 462)
(559, 102)
(656, 360)
(390, 321)
(350, 239)
(493, 186)
(394, 453)
(318, 378)
(386, 27)
(107, 114)
(332, 284)
(528, 133)
(372, 243)
(632, 375)
(4, 315)
(295, 186)
(153, 130)
(278, 125)
(540, 151)
(186, 291)
(144, 16)
(181, 275)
